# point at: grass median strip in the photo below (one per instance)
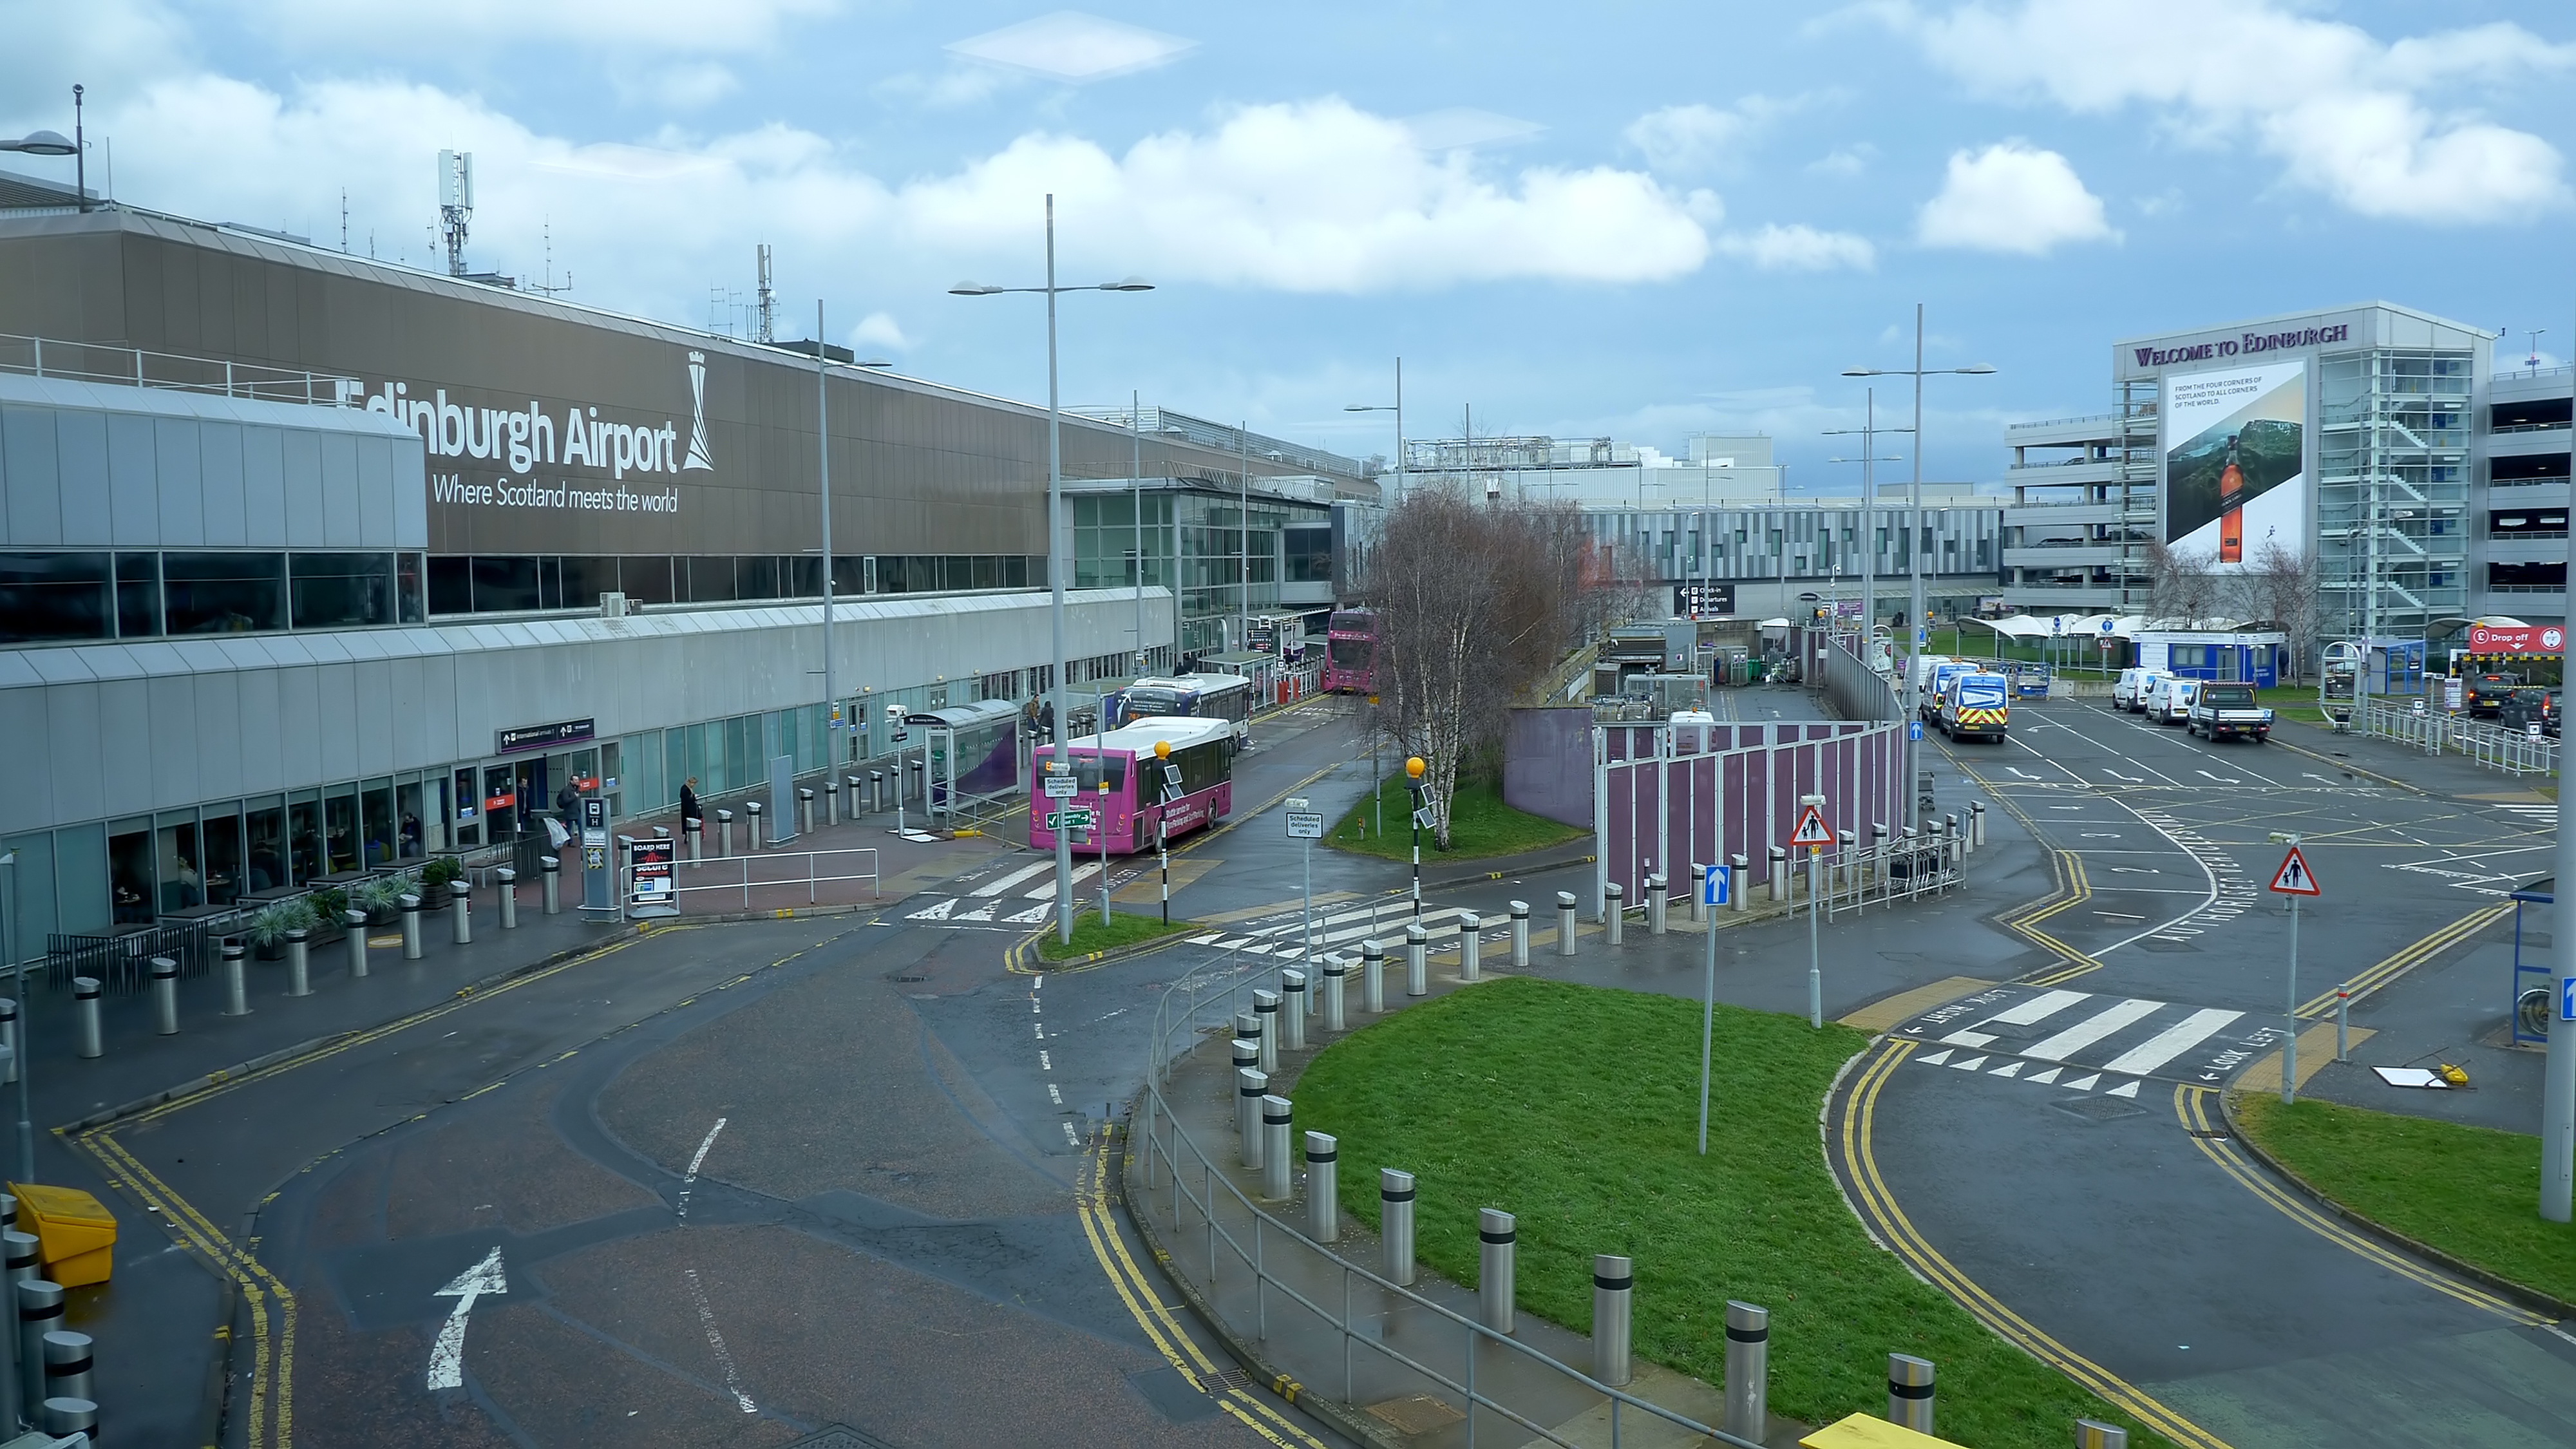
(1576, 1108)
(1480, 824)
(2471, 1192)
(1090, 934)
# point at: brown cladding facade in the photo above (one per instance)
(555, 429)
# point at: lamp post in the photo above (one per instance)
(1413, 769)
(52, 143)
(1869, 457)
(823, 467)
(1055, 529)
(1914, 533)
(1397, 408)
(26, 1018)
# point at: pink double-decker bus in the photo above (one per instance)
(1198, 790)
(1350, 652)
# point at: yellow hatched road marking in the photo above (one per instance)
(1878, 1206)
(2191, 1107)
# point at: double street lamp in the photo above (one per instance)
(1056, 562)
(1869, 458)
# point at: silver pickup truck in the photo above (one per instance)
(2220, 711)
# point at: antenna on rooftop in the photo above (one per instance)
(765, 318)
(455, 204)
(548, 286)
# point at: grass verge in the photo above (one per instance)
(2290, 701)
(2472, 1192)
(1480, 825)
(1499, 1097)
(1091, 934)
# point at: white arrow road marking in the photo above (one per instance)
(2222, 779)
(447, 1356)
(2016, 769)
(690, 1180)
(938, 912)
(2132, 779)
(1030, 917)
(716, 1343)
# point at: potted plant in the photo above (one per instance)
(328, 904)
(380, 896)
(270, 923)
(441, 872)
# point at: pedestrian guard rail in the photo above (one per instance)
(2436, 732)
(1239, 1238)
(771, 869)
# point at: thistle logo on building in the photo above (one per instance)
(698, 455)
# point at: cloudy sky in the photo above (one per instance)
(1631, 219)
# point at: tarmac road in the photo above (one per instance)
(2050, 1150)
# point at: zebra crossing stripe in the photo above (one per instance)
(2092, 1029)
(2173, 1041)
(997, 887)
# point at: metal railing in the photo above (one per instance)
(1239, 1238)
(136, 367)
(122, 960)
(763, 870)
(2497, 747)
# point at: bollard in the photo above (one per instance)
(805, 809)
(23, 1252)
(851, 782)
(1699, 888)
(353, 926)
(70, 1416)
(1323, 1188)
(831, 801)
(509, 880)
(1247, 1027)
(724, 834)
(1909, 1392)
(2094, 1434)
(1494, 1235)
(550, 869)
(696, 831)
(460, 906)
(754, 843)
(1779, 867)
(1565, 923)
(1471, 946)
(1748, 1369)
(299, 963)
(1842, 871)
(1373, 978)
(1250, 1086)
(40, 1311)
(236, 990)
(1739, 885)
(1977, 837)
(1335, 968)
(1614, 913)
(1292, 1014)
(410, 905)
(876, 791)
(1394, 1225)
(1520, 934)
(85, 1013)
(1655, 894)
(1265, 1012)
(67, 1365)
(1247, 1054)
(1417, 963)
(1614, 1282)
(165, 996)
(1275, 1114)
(9, 1039)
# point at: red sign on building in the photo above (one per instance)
(2517, 639)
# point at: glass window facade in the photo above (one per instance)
(2393, 472)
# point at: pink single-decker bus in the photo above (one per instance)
(1197, 790)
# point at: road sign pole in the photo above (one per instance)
(2290, 1044)
(1100, 826)
(1707, 1023)
(1815, 960)
(2558, 1076)
(1163, 848)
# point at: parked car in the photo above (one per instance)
(2129, 692)
(2169, 699)
(2226, 710)
(2485, 693)
(2529, 705)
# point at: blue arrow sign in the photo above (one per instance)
(1914, 729)
(2567, 998)
(1712, 891)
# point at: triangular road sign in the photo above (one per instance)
(2293, 878)
(1812, 829)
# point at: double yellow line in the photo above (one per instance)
(2386, 972)
(1136, 1291)
(2192, 1108)
(1888, 1221)
(2077, 888)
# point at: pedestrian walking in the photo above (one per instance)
(689, 809)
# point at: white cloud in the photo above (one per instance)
(1311, 196)
(1462, 127)
(1849, 160)
(2011, 197)
(1799, 249)
(685, 26)
(1698, 138)
(879, 330)
(2376, 126)
(1071, 46)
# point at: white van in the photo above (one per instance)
(2169, 698)
(2130, 691)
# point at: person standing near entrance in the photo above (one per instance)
(689, 808)
(568, 806)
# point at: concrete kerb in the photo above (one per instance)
(2517, 1293)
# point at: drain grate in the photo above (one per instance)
(838, 1436)
(1230, 1378)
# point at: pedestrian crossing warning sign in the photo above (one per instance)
(1812, 829)
(2293, 878)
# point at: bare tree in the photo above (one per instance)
(1474, 602)
(2282, 586)
(2181, 588)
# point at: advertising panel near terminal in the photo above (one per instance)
(649, 865)
(2234, 444)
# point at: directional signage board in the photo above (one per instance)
(2293, 879)
(1077, 819)
(1713, 885)
(1914, 729)
(2451, 692)
(2567, 998)
(1812, 829)
(1305, 825)
(1062, 787)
